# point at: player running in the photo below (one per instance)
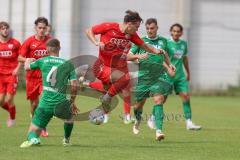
(115, 42)
(56, 73)
(9, 70)
(178, 50)
(35, 47)
(151, 78)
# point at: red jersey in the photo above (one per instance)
(117, 44)
(33, 48)
(9, 55)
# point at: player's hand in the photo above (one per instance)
(27, 63)
(172, 67)
(74, 109)
(171, 72)
(100, 45)
(15, 72)
(161, 51)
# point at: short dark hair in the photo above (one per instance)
(132, 16)
(54, 45)
(41, 20)
(177, 25)
(4, 24)
(150, 21)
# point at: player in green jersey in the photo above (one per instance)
(151, 78)
(178, 52)
(56, 74)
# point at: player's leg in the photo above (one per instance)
(182, 88)
(3, 104)
(138, 110)
(12, 109)
(127, 104)
(40, 120)
(68, 127)
(158, 114)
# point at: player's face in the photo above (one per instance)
(132, 27)
(176, 33)
(41, 29)
(151, 30)
(4, 31)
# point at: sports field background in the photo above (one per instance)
(219, 138)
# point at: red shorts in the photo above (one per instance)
(8, 84)
(115, 78)
(33, 88)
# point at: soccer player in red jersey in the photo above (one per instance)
(35, 47)
(114, 45)
(9, 69)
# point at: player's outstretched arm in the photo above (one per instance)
(186, 66)
(92, 38)
(21, 59)
(27, 63)
(134, 57)
(73, 91)
(17, 69)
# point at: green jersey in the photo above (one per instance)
(176, 52)
(151, 67)
(56, 73)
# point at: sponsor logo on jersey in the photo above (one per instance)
(121, 44)
(5, 53)
(40, 53)
(178, 54)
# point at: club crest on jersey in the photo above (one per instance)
(10, 46)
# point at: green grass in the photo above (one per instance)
(218, 140)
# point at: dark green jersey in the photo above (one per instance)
(152, 66)
(56, 73)
(176, 52)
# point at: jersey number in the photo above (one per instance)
(51, 77)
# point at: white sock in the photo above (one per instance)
(188, 121)
(128, 117)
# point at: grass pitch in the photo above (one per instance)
(219, 138)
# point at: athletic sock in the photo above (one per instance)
(32, 135)
(158, 114)
(138, 114)
(5, 106)
(187, 110)
(12, 112)
(127, 104)
(68, 130)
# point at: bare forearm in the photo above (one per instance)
(73, 91)
(21, 59)
(186, 65)
(91, 36)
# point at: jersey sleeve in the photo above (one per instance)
(101, 28)
(35, 65)
(24, 48)
(135, 49)
(136, 39)
(72, 75)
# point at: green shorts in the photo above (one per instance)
(181, 85)
(145, 89)
(43, 115)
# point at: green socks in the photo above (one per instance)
(158, 114)
(187, 110)
(32, 135)
(67, 130)
(138, 114)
